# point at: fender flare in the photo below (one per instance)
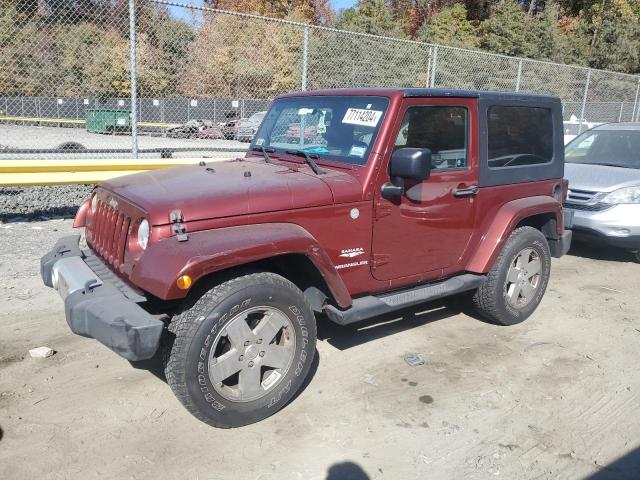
(210, 251)
(505, 221)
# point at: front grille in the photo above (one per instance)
(597, 207)
(580, 196)
(109, 232)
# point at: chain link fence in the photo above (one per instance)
(122, 78)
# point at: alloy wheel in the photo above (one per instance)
(523, 278)
(252, 353)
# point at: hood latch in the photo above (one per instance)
(177, 227)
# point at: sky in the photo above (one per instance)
(184, 14)
(338, 4)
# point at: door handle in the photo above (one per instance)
(465, 192)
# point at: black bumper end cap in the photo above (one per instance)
(123, 326)
(560, 246)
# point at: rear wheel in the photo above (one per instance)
(242, 350)
(517, 282)
(636, 255)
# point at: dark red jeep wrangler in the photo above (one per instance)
(386, 199)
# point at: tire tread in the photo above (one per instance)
(185, 325)
(485, 299)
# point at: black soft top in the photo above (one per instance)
(489, 96)
(481, 94)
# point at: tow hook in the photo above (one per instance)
(89, 285)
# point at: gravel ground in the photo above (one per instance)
(30, 203)
(556, 397)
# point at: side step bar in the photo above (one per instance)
(372, 306)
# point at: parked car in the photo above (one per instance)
(230, 129)
(231, 261)
(573, 127)
(249, 127)
(603, 170)
(214, 132)
(189, 129)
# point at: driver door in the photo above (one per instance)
(428, 228)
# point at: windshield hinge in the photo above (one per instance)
(383, 209)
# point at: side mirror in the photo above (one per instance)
(414, 163)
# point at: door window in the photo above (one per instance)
(442, 129)
(519, 136)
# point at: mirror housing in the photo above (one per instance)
(389, 190)
(413, 163)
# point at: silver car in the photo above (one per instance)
(603, 169)
(249, 127)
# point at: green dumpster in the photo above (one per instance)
(108, 121)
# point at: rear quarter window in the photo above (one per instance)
(519, 136)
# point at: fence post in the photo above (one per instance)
(584, 100)
(305, 57)
(134, 79)
(636, 107)
(620, 113)
(434, 63)
(519, 76)
(428, 79)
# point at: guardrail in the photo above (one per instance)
(21, 173)
(78, 122)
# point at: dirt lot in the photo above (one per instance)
(555, 397)
(31, 137)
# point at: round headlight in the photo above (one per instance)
(143, 234)
(94, 203)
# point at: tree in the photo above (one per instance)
(510, 31)
(231, 57)
(450, 27)
(370, 16)
(314, 11)
(613, 27)
(162, 54)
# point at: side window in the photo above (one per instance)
(442, 129)
(519, 136)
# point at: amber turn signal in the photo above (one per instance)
(184, 282)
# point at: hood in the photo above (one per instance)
(600, 178)
(224, 189)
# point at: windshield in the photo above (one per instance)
(617, 148)
(335, 128)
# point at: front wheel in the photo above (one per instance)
(517, 282)
(242, 350)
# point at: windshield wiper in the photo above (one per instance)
(309, 158)
(264, 151)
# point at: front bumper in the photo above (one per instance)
(559, 246)
(98, 304)
(618, 226)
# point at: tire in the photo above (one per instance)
(209, 344)
(636, 255)
(510, 294)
